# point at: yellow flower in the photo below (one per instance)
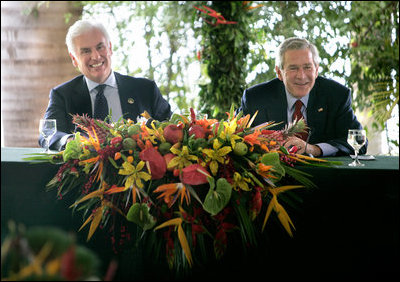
(216, 155)
(240, 182)
(230, 126)
(182, 159)
(228, 132)
(155, 133)
(135, 174)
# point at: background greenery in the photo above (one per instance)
(358, 40)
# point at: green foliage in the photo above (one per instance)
(139, 214)
(166, 26)
(217, 197)
(364, 35)
(374, 53)
(224, 51)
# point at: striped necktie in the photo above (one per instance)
(100, 104)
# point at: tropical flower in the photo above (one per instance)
(216, 155)
(186, 176)
(183, 157)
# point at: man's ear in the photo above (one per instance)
(279, 73)
(74, 61)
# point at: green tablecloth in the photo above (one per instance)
(380, 163)
(346, 229)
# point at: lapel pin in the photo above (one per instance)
(320, 109)
(131, 101)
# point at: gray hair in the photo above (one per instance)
(80, 27)
(295, 43)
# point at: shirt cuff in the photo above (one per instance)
(63, 141)
(327, 149)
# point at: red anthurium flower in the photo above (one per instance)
(155, 160)
(194, 174)
(198, 131)
(173, 133)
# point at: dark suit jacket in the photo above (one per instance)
(329, 112)
(73, 97)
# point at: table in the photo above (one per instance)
(346, 229)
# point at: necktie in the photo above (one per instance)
(100, 103)
(297, 115)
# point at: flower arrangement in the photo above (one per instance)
(42, 253)
(182, 181)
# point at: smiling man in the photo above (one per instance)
(299, 92)
(99, 90)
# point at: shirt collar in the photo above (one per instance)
(291, 99)
(110, 81)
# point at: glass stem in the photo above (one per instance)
(47, 144)
(356, 154)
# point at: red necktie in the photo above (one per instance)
(298, 115)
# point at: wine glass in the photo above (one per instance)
(356, 138)
(47, 128)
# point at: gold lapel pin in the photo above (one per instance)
(320, 109)
(131, 101)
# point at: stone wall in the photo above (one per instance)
(34, 58)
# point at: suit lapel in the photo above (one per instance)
(317, 109)
(81, 98)
(276, 105)
(128, 97)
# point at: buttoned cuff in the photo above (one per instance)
(327, 149)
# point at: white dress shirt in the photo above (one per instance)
(111, 94)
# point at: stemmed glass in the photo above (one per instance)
(356, 138)
(47, 128)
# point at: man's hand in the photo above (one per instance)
(303, 147)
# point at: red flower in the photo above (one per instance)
(191, 175)
(198, 131)
(173, 133)
(155, 160)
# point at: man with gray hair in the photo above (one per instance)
(98, 90)
(298, 92)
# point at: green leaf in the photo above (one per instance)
(139, 214)
(245, 224)
(300, 176)
(273, 160)
(217, 199)
(72, 149)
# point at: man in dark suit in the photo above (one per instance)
(325, 104)
(90, 50)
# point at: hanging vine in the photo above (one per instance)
(225, 45)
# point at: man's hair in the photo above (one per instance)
(295, 43)
(80, 27)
